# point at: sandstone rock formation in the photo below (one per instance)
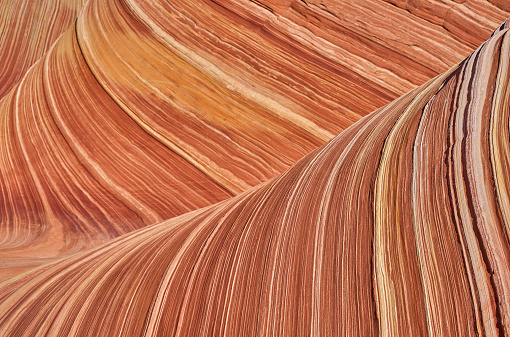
(399, 226)
(145, 110)
(27, 31)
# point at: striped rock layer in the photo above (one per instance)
(139, 111)
(399, 226)
(27, 31)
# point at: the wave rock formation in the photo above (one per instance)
(399, 226)
(119, 114)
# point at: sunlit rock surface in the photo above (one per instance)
(399, 226)
(123, 113)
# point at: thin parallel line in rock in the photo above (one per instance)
(333, 176)
(478, 249)
(129, 308)
(140, 239)
(47, 281)
(25, 15)
(375, 299)
(499, 212)
(79, 260)
(112, 262)
(33, 115)
(469, 198)
(375, 39)
(382, 214)
(319, 238)
(328, 97)
(264, 193)
(501, 93)
(203, 249)
(499, 315)
(11, 232)
(188, 154)
(299, 185)
(260, 197)
(212, 71)
(57, 302)
(10, 120)
(258, 202)
(493, 263)
(154, 135)
(373, 256)
(385, 326)
(314, 12)
(17, 131)
(413, 173)
(165, 282)
(154, 311)
(454, 206)
(51, 115)
(150, 213)
(371, 122)
(498, 84)
(243, 150)
(148, 313)
(454, 75)
(42, 133)
(375, 236)
(265, 265)
(454, 193)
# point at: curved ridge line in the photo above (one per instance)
(219, 179)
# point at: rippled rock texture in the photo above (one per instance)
(145, 110)
(398, 226)
(27, 31)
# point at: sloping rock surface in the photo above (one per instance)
(398, 226)
(123, 113)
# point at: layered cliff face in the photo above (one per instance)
(398, 226)
(145, 110)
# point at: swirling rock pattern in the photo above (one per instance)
(398, 226)
(27, 31)
(144, 110)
